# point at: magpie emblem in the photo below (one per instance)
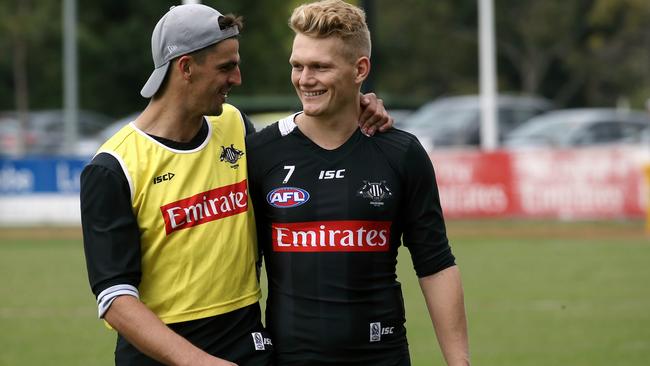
(376, 192)
(231, 155)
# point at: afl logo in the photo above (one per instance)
(286, 197)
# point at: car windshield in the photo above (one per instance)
(435, 119)
(551, 128)
(89, 123)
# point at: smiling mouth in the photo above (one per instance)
(313, 94)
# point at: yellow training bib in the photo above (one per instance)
(197, 230)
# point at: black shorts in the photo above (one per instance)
(404, 361)
(390, 358)
(237, 336)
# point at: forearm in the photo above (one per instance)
(443, 293)
(144, 330)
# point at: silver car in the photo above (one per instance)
(579, 127)
(455, 121)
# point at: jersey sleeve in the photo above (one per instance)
(111, 236)
(424, 231)
(248, 124)
(253, 190)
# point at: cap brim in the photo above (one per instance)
(155, 81)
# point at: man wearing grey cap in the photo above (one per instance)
(169, 233)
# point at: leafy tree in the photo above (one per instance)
(423, 49)
(579, 53)
(116, 49)
(617, 53)
(115, 52)
(27, 31)
(565, 49)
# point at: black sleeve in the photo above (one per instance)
(110, 231)
(250, 128)
(424, 232)
(254, 194)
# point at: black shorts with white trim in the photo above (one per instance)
(237, 336)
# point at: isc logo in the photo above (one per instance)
(331, 174)
(164, 177)
(286, 197)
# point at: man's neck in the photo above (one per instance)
(169, 120)
(328, 132)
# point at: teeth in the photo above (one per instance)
(313, 94)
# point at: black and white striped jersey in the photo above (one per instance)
(330, 223)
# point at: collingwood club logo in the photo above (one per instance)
(231, 155)
(260, 342)
(376, 331)
(375, 191)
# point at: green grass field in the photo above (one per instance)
(537, 293)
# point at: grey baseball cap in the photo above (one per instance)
(182, 30)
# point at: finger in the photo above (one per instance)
(388, 125)
(368, 98)
(372, 123)
(367, 114)
(379, 116)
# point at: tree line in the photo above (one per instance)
(575, 53)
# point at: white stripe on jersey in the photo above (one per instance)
(106, 297)
(287, 124)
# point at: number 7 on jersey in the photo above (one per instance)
(290, 169)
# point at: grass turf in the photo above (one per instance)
(537, 293)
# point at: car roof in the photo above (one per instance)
(502, 100)
(586, 115)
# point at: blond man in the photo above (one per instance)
(332, 207)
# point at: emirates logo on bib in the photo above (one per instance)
(206, 206)
(331, 236)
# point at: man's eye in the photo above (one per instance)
(228, 67)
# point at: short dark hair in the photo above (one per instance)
(226, 21)
(199, 56)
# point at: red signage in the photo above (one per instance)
(585, 183)
(206, 206)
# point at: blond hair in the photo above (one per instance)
(334, 18)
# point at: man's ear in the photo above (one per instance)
(184, 66)
(363, 69)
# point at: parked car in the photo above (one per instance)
(456, 121)
(44, 133)
(400, 116)
(643, 138)
(579, 127)
(10, 135)
(88, 146)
